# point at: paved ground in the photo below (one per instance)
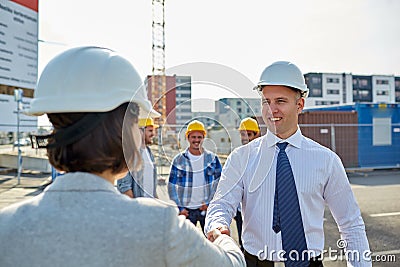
(377, 193)
(30, 184)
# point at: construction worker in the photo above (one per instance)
(284, 181)
(142, 183)
(94, 97)
(249, 130)
(194, 176)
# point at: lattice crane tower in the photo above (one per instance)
(158, 80)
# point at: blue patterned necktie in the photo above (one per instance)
(287, 214)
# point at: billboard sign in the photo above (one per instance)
(8, 114)
(19, 43)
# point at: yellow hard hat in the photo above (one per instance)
(249, 124)
(195, 126)
(147, 122)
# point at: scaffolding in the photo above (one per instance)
(158, 80)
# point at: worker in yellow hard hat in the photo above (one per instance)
(194, 176)
(249, 130)
(149, 130)
(142, 183)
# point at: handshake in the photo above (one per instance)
(215, 233)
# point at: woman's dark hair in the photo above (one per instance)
(100, 149)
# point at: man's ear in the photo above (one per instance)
(300, 105)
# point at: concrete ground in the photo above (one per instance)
(30, 184)
(377, 193)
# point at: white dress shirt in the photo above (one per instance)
(249, 176)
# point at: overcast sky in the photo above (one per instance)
(353, 36)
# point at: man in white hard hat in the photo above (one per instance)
(142, 183)
(194, 176)
(94, 97)
(284, 180)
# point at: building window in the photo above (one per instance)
(397, 84)
(321, 103)
(183, 95)
(332, 80)
(316, 80)
(382, 82)
(239, 110)
(362, 95)
(332, 91)
(185, 117)
(397, 96)
(362, 81)
(314, 83)
(183, 89)
(382, 92)
(316, 92)
(238, 103)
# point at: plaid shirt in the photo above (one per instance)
(181, 178)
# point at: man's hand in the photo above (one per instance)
(203, 206)
(129, 193)
(215, 233)
(184, 212)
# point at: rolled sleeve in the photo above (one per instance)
(125, 183)
(172, 185)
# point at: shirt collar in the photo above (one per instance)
(186, 152)
(80, 181)
(294, 140)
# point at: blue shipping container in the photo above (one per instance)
(378, 133)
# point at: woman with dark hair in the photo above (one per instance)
(94, 97)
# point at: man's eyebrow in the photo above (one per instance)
(281, 98)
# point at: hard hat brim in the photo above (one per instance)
(51, 105)
(260, 85)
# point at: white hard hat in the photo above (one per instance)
(89, 79)
(283, 73)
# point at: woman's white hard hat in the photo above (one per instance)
(89, 79)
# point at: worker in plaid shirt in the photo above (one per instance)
(194, 176)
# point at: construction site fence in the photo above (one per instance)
(358, 145)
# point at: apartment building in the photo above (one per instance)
(344, 88)
(230, 111)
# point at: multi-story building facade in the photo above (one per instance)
(178, 99)
(183, 108)
(335, 88)
(230, 111)
(397, 88)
